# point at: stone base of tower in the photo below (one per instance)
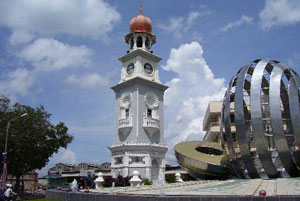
(147, 159)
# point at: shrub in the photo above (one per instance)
(147, 181)
(108, 181)
(122, 181)
(171, 178)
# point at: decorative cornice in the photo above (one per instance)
(140, 52)
(138, 80)
(138, 144)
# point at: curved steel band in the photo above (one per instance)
(228, 133)
(276, 87)
(223, 141)
(294, 111)
(257, 121)
(240, 123)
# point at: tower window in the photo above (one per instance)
(149, 113)
(147, 43)
(127, 113)
(131, 43)
(139, 42)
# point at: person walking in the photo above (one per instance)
(9, 194)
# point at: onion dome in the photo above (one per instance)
(140, 23)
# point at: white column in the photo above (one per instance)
(150, 43)
(148, 167)
(134, 42)
(162, 168)
(144, 40)
(126, 165)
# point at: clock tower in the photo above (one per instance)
(139, 109)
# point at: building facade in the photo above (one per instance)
(139, 113)
(28, 181)
(211, 123)
(62, 174)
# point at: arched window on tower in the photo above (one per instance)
(147, 43)
(131, 43)
(139, 42)
(127, 113)
(149, 113)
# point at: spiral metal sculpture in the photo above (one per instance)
(262, 103)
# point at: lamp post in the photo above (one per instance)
(4, 154)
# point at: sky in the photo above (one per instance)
(63, 54)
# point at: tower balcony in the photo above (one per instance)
(125, 125)
(151, 125)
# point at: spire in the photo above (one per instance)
(141, 9)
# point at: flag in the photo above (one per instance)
(4, 173)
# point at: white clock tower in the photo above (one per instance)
(139, 134)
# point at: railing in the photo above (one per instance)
(213, 127)
(150, 122)
(211, 124)
(123, 123)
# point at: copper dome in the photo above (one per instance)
(140, 23)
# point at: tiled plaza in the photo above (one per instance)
(245, 187)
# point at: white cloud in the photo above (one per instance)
(178, 25)
(280, 12)
(64, 156)
(47, 54)
(189, 93)
(294, 60)
(20, 36)
(90, 80)
(85, 18)
(17, 82)
(243, 20)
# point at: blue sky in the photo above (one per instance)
(64, 54)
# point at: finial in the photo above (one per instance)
(141, 8)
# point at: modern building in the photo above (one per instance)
(211, 123)
(139, 109)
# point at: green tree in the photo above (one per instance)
(31, 139)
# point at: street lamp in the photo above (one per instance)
(4, 154)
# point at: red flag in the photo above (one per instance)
(3, 177)
(4, 173)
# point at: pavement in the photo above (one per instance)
(245, 187)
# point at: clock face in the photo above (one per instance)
(148, 68)
(130, 69)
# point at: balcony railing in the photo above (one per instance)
(214, 127)
(125, 123)
(151, 125)
(150, 122)
(211, 124)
